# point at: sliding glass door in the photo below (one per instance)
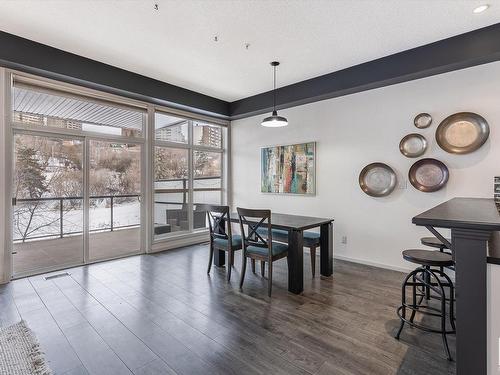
(114, 199)
(48, 207)
(77, 178)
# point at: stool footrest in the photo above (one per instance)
(420, 326)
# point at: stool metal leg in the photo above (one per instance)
(403, 303)
(443, 319)
(452, 300)
(452, 307)
(414, 295)
(428, 281)
(443, 312)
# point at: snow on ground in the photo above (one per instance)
(46, 219)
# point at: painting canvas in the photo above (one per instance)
(288, 169)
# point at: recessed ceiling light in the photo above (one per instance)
(481, 8)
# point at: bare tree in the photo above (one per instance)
(44, 169)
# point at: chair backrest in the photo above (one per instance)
(217, 217)
(253, 220)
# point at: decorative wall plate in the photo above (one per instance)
(377, 179)
(422, 120)
(413, 145)
(428, 175)
(462, 133)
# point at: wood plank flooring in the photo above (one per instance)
(162, 314)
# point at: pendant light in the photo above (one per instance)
(274, 121)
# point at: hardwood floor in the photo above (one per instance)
(162, 314)
(46, 253)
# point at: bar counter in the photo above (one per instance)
(472, 221)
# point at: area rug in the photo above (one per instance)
(20, 352)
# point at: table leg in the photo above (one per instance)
(470, 253)
(295, 261)
(219, 255)
(326, 249)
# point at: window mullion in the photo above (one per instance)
(190, 175)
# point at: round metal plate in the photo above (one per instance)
(428, 175)
(377, 179)
(462, 133)
(422, 120)
(413, 145)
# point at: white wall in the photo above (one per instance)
(358, 129)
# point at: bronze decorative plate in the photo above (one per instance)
(377, 180)
(428, 175)
(462, 133)
(413, 145)
(422, 120)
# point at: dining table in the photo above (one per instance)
(295, 225)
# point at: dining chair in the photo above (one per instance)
(255, 246)
(311, 241)
(220, 238)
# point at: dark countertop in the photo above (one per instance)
(470, 213)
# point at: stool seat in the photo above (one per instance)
(434, 242)
(428, 258)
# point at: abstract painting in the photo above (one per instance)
(288, 169)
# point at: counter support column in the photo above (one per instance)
(470, 253)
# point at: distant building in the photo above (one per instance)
(211, 136)
(28, 118)
(41, 120)
(171, 133)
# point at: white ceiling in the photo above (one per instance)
(175, 44)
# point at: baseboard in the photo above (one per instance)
(374, 264)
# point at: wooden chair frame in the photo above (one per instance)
(218, 217)
(252, 238)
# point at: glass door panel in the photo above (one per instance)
(114, 199)
(47, 203)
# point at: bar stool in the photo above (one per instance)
(428, 279)
(435, 242)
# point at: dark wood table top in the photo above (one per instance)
(288, 222)
(470, 213)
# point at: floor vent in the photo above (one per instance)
(56, 276)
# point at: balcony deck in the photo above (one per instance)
(47, 253)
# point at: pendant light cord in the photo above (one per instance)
(274, 91)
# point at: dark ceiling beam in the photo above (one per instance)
(462, 51)
(32, 57)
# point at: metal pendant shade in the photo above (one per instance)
(274, 121)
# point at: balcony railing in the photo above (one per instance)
(61, 233)
(185, 190)
(61, 201)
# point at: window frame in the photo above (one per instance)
(191, 147)
(149, 243)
